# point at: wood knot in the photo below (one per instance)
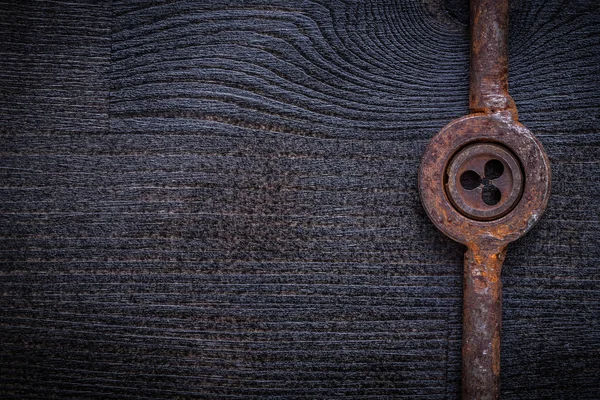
(453, 14)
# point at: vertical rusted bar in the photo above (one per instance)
(489, 57)
(482, 321)
(469, 147)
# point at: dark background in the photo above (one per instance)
(219, 200)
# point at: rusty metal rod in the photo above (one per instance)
(482, 321)
(489, 57)
(485, 181)
(482, 288)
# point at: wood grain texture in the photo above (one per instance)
(219, 200)
(55, 59)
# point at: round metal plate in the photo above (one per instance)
(498, 129)
(484, 181)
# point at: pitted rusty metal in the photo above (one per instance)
(486, 240)
(497, 128)
(487, 150)
(486, 183)
(489, 58)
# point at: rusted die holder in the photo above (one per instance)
(486, 229)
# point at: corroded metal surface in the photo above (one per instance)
(486, 181)
(494, 128)
(489, 57)
(487, 150)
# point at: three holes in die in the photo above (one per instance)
(490, 194)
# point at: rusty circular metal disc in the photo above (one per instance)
(484, 181)
(499, 129)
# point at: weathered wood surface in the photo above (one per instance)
(219, 200)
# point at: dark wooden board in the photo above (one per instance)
(218, 200)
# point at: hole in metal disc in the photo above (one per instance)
(493, 169)
(491, 195)
(470, 180)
